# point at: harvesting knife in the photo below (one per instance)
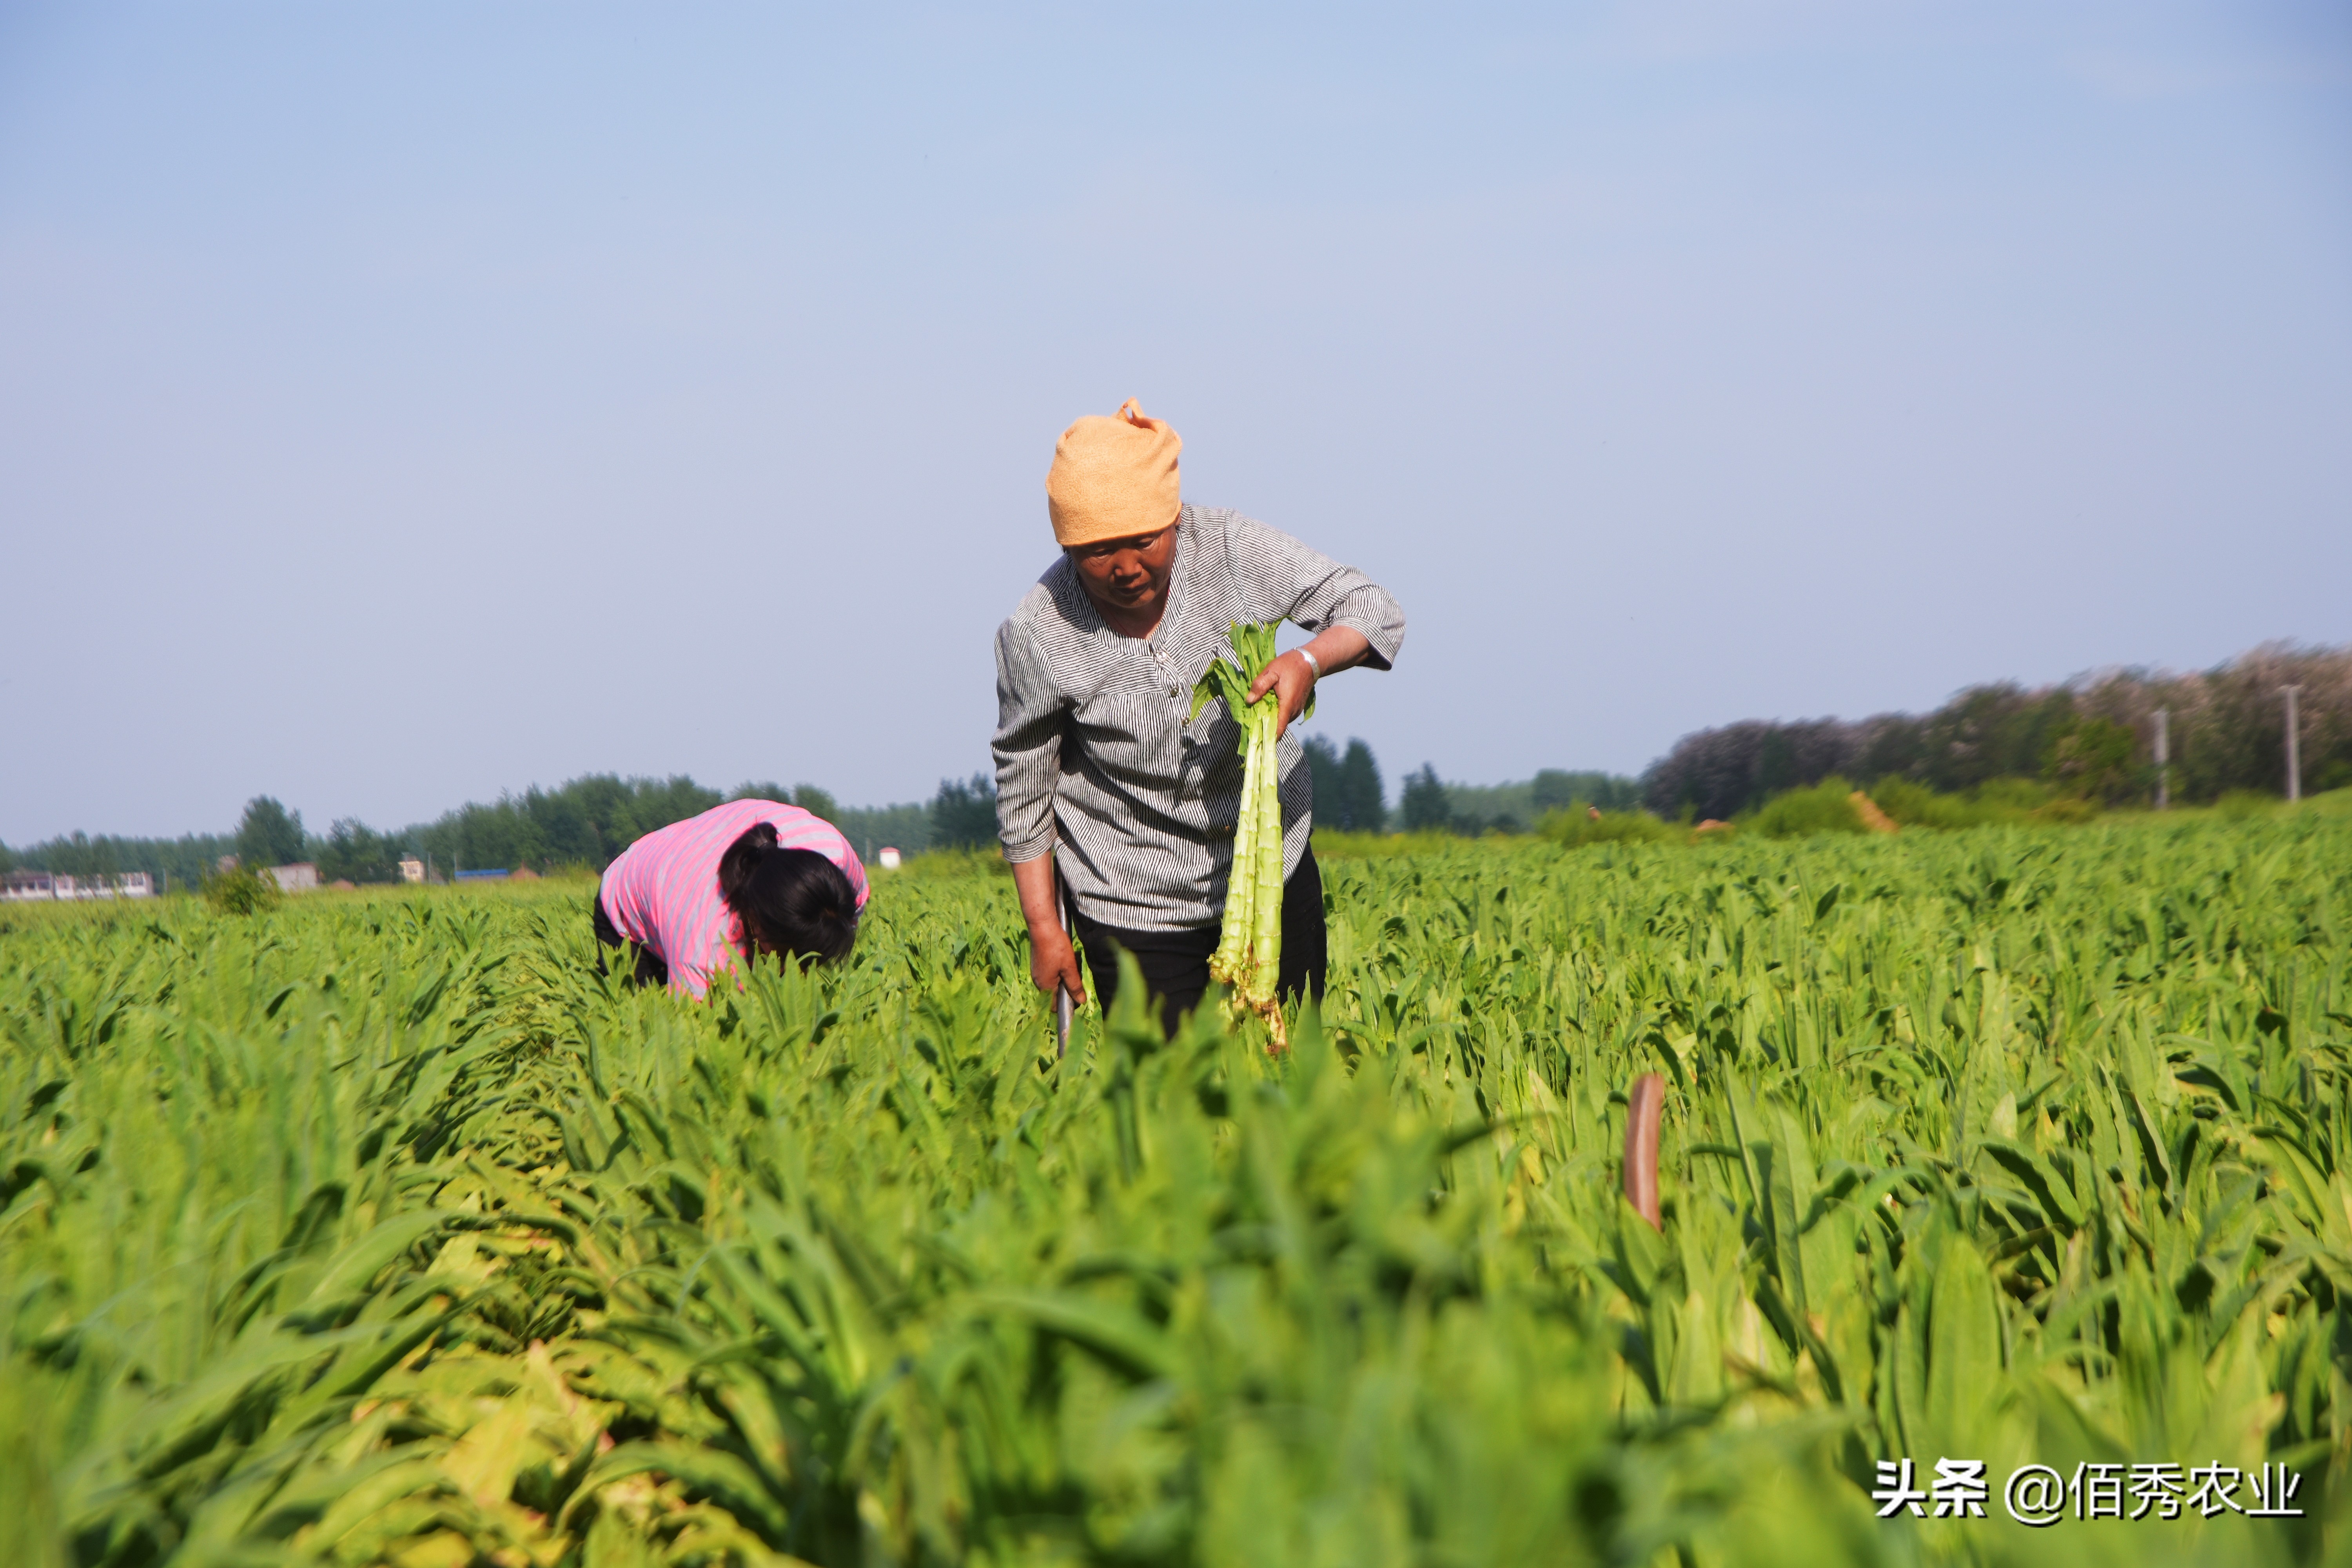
(1061, 992)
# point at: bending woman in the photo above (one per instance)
(743, 879)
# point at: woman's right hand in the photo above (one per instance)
(1054, 962)
(1051, 960)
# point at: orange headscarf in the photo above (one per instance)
(1113, 476)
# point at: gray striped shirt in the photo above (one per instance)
(1094, 758)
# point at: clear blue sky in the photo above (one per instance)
(402, 403)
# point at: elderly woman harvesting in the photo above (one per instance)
(1109, 769)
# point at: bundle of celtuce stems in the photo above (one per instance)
(1249, 950)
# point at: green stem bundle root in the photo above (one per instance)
(1249, 950)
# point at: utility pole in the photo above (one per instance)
(2294, 747)
(2163, 759)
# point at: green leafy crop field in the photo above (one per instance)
(380, 1228)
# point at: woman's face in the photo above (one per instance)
(1126, 577)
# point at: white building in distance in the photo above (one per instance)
(18, 887)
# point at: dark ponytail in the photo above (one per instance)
(794, 900)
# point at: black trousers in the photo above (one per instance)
(1175, 963)
(651, 969)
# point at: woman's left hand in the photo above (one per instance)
(1292, 679)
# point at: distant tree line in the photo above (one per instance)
(963, 813)
(267, 835)
(182, 861)
(1348, 795)
(873, 828)
(587, 821)
(2092, 736)
(1431, 804)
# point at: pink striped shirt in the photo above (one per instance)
(663, 891)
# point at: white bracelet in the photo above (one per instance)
(1311, 664)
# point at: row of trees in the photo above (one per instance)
(267, 835)
(2092, 737)
(1433, 805)
(584, 821)
(183, 861)
(589, 820)
(1348, 795)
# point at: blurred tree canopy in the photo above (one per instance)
(352, 852)
(2091, 759)
(2091, 737)
(1348, 795)
(807, 796)
(1555, 790)
(268, 834)
(181, 862)
(1426, 807)
(963, 813)
(585, 822)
